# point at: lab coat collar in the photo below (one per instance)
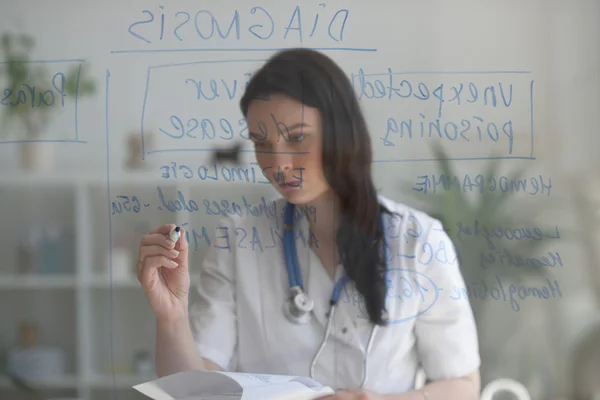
(319, 287)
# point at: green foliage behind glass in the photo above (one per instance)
(454, 207)
(18, 74)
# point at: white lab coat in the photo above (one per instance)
(237, 318)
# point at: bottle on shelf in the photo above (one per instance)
(28, 251)
(41, 251)
(52, 254)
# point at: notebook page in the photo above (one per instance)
(246, 380)
(189, 384)
(291, 390)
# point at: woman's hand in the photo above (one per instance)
(352, 394)
(162, 269)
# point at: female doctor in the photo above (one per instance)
(357, 294)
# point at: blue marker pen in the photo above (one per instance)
(175, 234)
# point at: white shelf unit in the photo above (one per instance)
(97, 320)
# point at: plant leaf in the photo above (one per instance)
(512, 260)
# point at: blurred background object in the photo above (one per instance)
(135, 148)
(501, 244)
(585, 360)
(30, 361)
(228, 155)
(31, 95)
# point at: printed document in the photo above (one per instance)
(218, 385)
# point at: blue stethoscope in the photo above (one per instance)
(299, 305)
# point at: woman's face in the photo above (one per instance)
(287, 137)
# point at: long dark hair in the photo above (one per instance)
(315, 80)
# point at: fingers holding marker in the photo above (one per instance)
(164, 229)
(154, 262)
(160, 239)
(157, 243)
(149, 276)
(174, 234)
(155, 249)
(169, 244)
(159, 261)
(177, 237)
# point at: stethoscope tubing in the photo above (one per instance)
(291, 255)
(295, 281)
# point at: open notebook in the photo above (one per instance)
(217, 385)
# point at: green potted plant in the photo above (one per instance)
(30, 97)
(459, 210)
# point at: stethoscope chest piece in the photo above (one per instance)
(298, 306)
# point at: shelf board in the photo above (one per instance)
(12, 281)
(104, 282)
(60, 382)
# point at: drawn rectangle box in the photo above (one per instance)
(50, 93)
(184, 123)
(451, 107)
(192, 112)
